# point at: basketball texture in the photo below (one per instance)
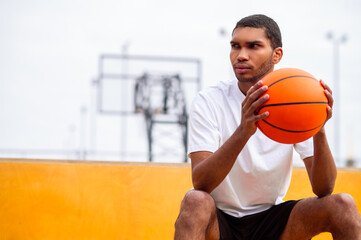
(297, 106)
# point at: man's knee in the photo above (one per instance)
(197, 205)
(343, 210)
(345, 198)
(344, 202)
(198, 202)
(197, 217)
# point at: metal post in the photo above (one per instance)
(337, 91)
(124, 103)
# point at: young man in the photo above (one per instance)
(239, 175)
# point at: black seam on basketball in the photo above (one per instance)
(285, 104)
(291, 77)
(293, 131)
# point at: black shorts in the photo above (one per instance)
(266, 225)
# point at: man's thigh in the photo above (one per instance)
(312, 216)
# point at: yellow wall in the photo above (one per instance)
(45, 199)
(86, 200)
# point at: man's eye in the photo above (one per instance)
(253, 45)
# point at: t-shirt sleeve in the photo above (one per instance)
(305, 148)
(203, 128)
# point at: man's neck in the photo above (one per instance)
(245, 86)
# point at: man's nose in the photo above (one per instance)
(243, 55)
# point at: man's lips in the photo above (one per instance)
(242, 68)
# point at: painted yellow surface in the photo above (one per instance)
(62, 200)
(53, 199)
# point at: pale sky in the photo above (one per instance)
(49, 55)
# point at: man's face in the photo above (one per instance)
(251, 54)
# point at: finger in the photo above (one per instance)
(256, 86)
(329, 97)
(261, 116)
(329, 113)
(325, 86)
(256, 104)
(254, 96)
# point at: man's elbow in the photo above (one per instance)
(324, 191)
(201, 186)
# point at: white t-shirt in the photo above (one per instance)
(262, 172)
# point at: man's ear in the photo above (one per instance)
(277, 55)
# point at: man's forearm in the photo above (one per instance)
(324, 170)
(210, 172)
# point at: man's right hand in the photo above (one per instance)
(250, 104)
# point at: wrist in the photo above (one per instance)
(320, 133)
(243, 133)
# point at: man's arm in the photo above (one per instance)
(321, 168)
(209, 169)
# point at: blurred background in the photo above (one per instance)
(113, 80)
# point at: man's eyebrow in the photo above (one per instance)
(254, 42)
(249, 42)
(234, 42)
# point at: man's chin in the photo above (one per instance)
(246, 79)
(250, 78)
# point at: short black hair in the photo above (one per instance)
(271, 28)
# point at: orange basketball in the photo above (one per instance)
(297, 106)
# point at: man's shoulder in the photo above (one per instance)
(220, 89)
